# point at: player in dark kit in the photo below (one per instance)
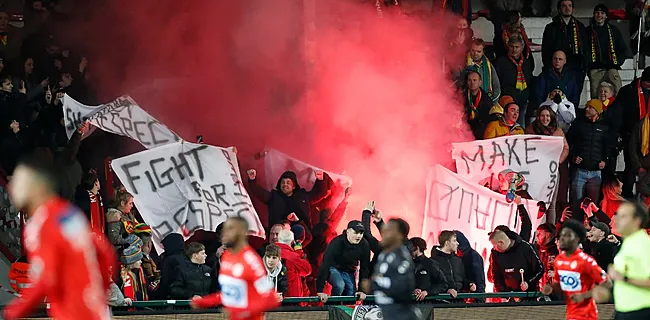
(393, 280)
(576, 274)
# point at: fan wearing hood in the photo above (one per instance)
(288, 197)
(472, 261)
(276, 271)
(173, 257)
(564, 109)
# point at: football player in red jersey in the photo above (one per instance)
(69, 264)
(576, 274)
(246, 292)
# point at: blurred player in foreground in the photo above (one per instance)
(576, 274)
(393, 280)
(69, 264)
(246, 291)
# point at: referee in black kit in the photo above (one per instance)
(393, 280)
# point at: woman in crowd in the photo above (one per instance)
(546, 124)
(612, 115)
(612, 199)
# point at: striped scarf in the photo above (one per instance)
(521, 80)
(595, 47)
(575, 33)
(485, 69)
(473, 105)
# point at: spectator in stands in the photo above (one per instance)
(288, 197)
(13, 105)
(88, 199)
(547, 250)
(607, 51)
(115, 228)
(612, 199)
(515, 264)
(450, 264)
(297, 265)
(461, 8)
(462, 37)
(612, 116)
(35, 89)
(476, 60)
(115, 296)
(513, 26)
(602, 250)
(565, 111)
(568, 34)
(173, 257)
(472, 262)
(149, 267)
(10, 37)
(192, 278)
(640, 159)
(273, 236)
(477, 103)
(340, 261)
(429, 279)
(506, 125)
(276, 271)
(546, 124)
(14, 144)
(124, 203)
(516, 75)
(557, 75)
(133, 284)
(588, 142)
(633, 99)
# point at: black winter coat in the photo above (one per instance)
(191, 279)
(507, 72)
(452, 267)
(344, 256)
(506, 266)
(173, 257)
(589, 141)
(429, 276)
(559, 36)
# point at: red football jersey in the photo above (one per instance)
(69, 265)
(246, 291)
(578, 273)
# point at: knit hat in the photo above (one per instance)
(602, 8)
(596, 104)
(505, 100)
(298, 232)
(141, 228)
(133, 241)
(131, 255)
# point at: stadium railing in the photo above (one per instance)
(439, 307)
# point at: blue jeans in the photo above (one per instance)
(589, 179)
(342, 282)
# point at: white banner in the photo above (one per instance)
(122, 116)
(453, 203)
(276, 163)
(187, 186)
(535, 157)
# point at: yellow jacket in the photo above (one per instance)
(498, 128)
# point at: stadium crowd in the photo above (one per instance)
(305, 256)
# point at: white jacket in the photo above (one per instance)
(565, 111)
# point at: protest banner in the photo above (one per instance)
(535, 157)
(276, 162)
(122, 116)
(186, 186)
(454, 203)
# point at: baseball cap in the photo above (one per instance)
(601, 226)
(356, 225)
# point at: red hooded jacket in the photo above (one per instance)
(297, 268)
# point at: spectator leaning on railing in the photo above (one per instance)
(192, 278)
(429, 279)
(276, 271)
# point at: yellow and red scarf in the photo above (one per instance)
(576, 34)
(485, 69)
(644, 115)
(521, 79)
(595, 49)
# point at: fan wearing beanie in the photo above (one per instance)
(133, 282)
(504, 124)
(589, 139)
(608, 50)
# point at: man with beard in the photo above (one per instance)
(576, 274)
(393, 281)
(246, 292)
